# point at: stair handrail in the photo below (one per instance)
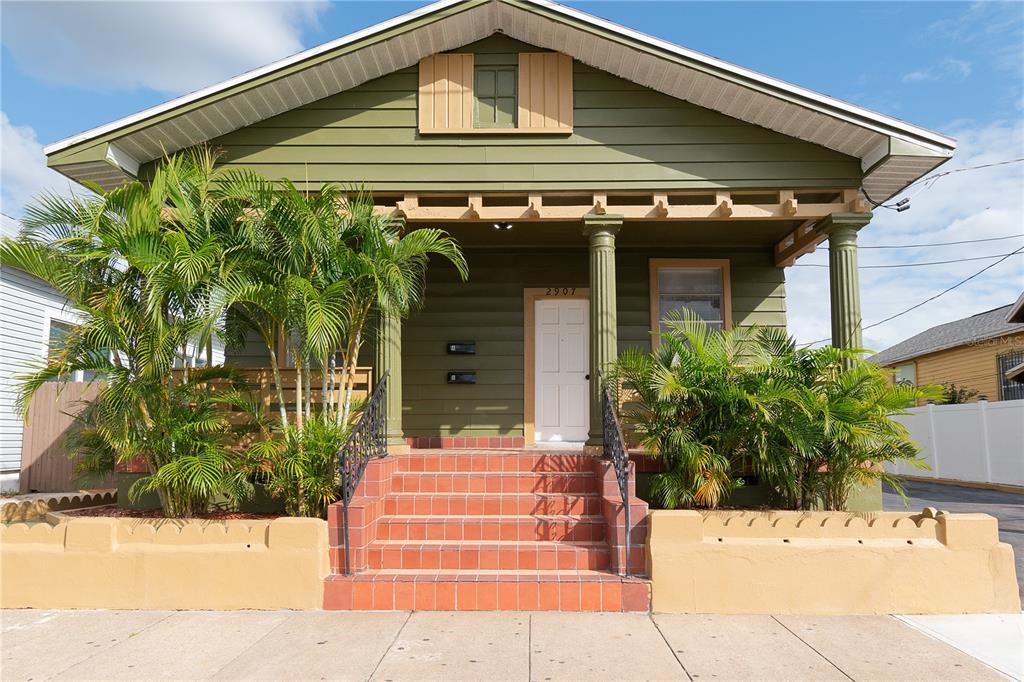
(615, 450)
(367, 440)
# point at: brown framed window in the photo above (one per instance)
(698, 285)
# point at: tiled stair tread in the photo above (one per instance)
(473, 575)
(473, 544)
(529, 493)
(426, 518)
(531, 474)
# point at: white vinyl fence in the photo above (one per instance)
(981, 442)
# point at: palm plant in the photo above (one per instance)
(143, 265)
(714, 405)
(320, 266)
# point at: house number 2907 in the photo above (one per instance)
(560, 291)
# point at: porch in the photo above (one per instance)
(561, 283)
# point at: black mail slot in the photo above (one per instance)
(461, 348)
(457, 377)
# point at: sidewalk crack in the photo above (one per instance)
(394, 639)
(808, 645)
(671, 650)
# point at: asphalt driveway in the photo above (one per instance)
(1007, 507)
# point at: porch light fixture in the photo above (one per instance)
(502, 227)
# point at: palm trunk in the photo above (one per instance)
(298, 392)
(351, 360)
(309, 389)
(281, 406)
(324, 405)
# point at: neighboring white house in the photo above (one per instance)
(34, 316)
(31, 314)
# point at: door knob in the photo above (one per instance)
(587, 377)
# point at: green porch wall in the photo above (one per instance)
(488, 309)
(625, 137)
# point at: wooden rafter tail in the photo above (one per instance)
(855, 202)
(790, 205)
(724, 202)
(804, 239)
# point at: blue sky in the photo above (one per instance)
(954, 67)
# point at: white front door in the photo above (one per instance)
(562, 363)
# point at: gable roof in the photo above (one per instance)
(986, 325)
(893, 153)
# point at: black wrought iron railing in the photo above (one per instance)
(615, 450)
(367, 440)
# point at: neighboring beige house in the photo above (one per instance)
(1016, 315)
(977, 353)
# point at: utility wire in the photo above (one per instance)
(930, 180)
(927, 300)
(910, 265)
(924, 246)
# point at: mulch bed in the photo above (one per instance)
(158, 514)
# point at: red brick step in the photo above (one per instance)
(493, 556)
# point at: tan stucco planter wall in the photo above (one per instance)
(829, 563)
(150, 564)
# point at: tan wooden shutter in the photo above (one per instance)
(446, 93)
(545, 91)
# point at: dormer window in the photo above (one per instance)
(494, 89)
(458, 97)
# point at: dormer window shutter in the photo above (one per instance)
(545, 91)
(446, 93)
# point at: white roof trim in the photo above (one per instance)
(887, 121)
(823, 106)
(247, 76)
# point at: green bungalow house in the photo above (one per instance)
(597, 178)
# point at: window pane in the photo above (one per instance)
(906, 374)
(698, 290)
(505, 114)
(59, 333)
(1010, 390)
(506, 83)
(689, 281)
(485, 83)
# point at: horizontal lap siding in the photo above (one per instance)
(624, 137)
(974, 367)
(24, 301)
(488, 309)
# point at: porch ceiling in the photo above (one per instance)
(654, 234)
(892, 153)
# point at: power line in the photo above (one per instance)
(910, 265)
(927, 300)
(935, 176)
(924, 246)
(904, 204)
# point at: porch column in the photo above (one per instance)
(389, 358)
(601, 230)
(844, 282)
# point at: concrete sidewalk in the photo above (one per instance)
(254, 645)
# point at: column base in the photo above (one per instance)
(593, 450)
(397, 445)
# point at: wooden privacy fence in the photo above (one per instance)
(260, 381)
(45, 466)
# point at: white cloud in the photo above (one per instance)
(948, 69)
(170, 47)
(23, 171)
(962, 206)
